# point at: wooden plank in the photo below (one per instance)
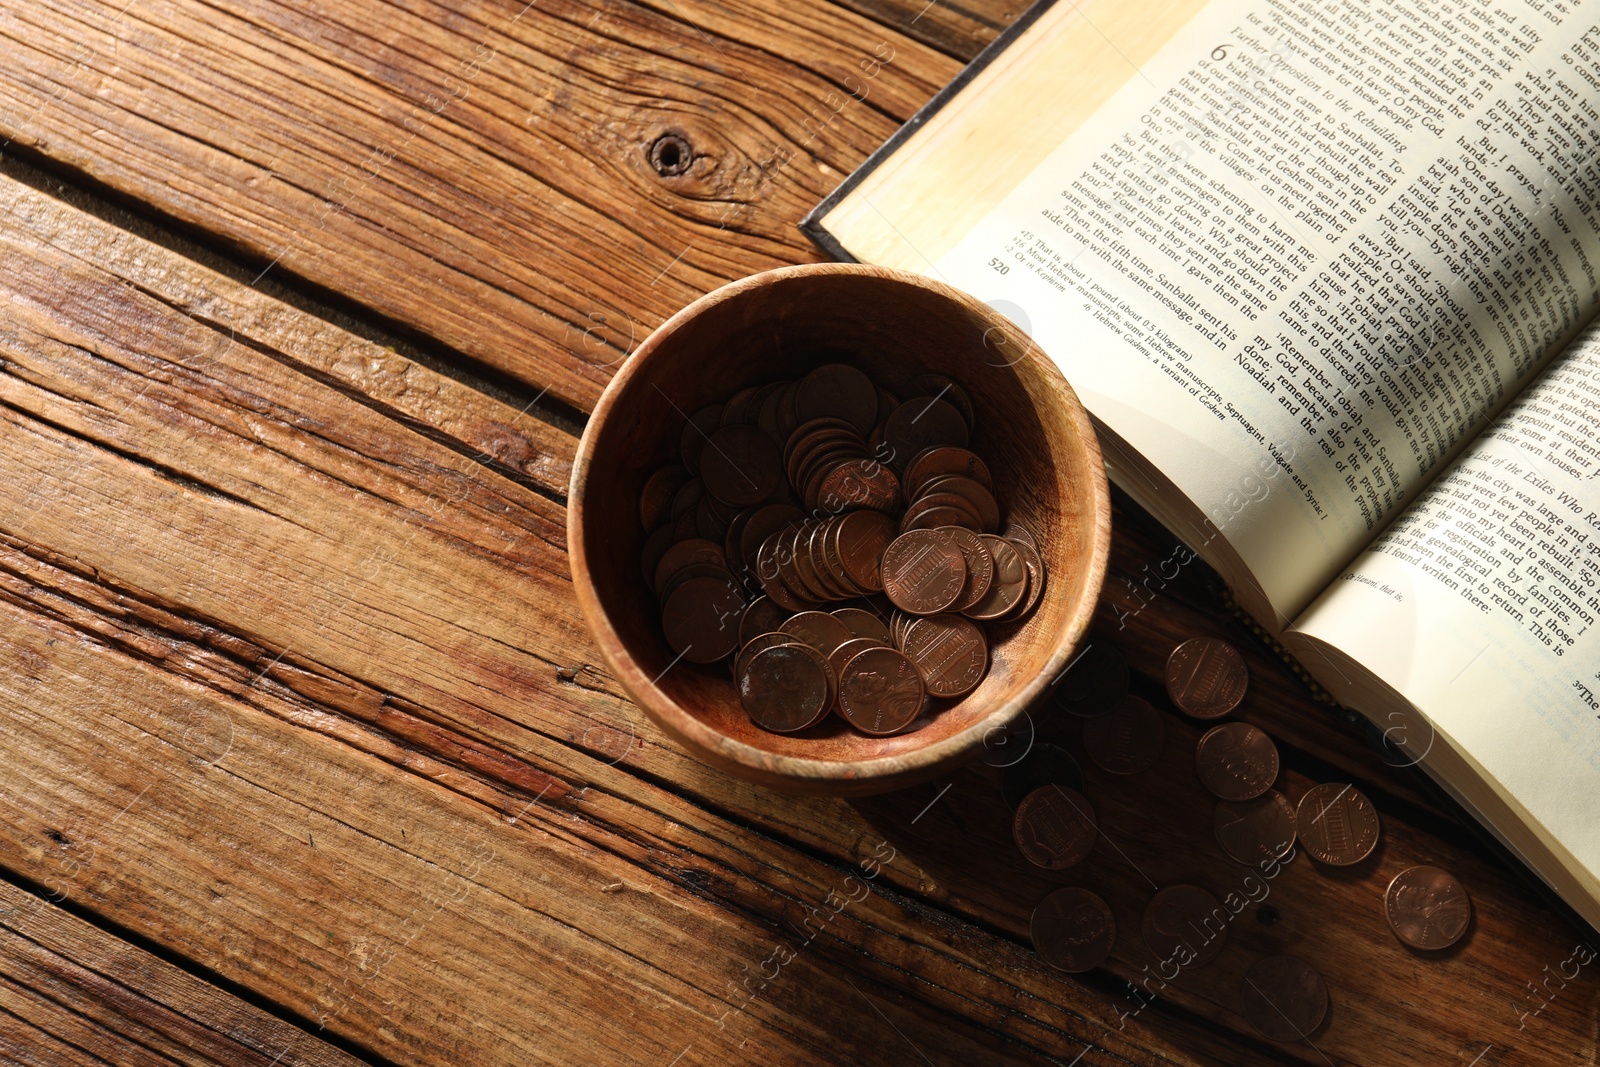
(65, 984)
(235, 547)
(480, 172)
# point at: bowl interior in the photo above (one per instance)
(1047, 476)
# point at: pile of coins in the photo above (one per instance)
(794, 496)
(1055, 827)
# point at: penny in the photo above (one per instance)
(687, 498)
(762, 524)
(701, 619)
(711, 518)
(922, 423)
(818, 629)
(880, 692)
(801, 565)
(972, 492)
(923, 572)
(1284, 998)
(932, 518)
(863, 623)
(949, 652)
(1236, 761)
(767, 410)
(696, 570)
(1185, 925)
(860, 541)
(769, 574)
(937, 385)
(699, 429)
(1206, 677)
(839, 390)
(740, 465)
(758, 643)
(1337, 824)
(841, 655)
(1073, 930)
(655, 499)
(980, 565)
(858, 483)
(655, 546)
(1036, 576)
(1009, 586)
(1255, 831)
(681, 555)
(740, 407)
(944, 459)
(1017, 532)
(1128, 740)
(786, 688)
(1095, 682)
(1045, 764)
(1427, 908)
(1055, 827)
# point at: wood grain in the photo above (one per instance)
(341, 649)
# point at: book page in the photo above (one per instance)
(1478, 605)
(1327, 240)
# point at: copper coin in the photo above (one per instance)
(741, 465)
(1185, 925)
(880, 692)
(1337, 824)
(1206, 677)
(1017, 532)
(980, 565)
(1009, 586)
(767, 410)
(970, 490)
(696, 570)
(863, 623)
(923, 572)
(829, 570)
(922, 423)
(701, 619)
(1427, 907)
(762, 524)
(740, 406)
(1255, 831)
(944, 459)
(841, 655)
(859, 541)
(1036, 577)
(682, 554)
(1128, 740)
(687, 498)
(801, 566)
(859, 483)
(701, 425)
(1045, 764)
(1284, 998)
(949, 652)
(786, 688)
(937, 385)
(1055, 827)
(756, 644)
(970, 516)
(1095, 681)
(818, 629)
(933, 517)
(840, 390)
(655, 499)
(769, 573)
(1073, 930)
(655, 546)
(1236, 761)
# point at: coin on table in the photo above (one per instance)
(1284, 998)
(818, 629)
(923, 572)
(1185, 925)
(701, 619)
(1055, 827)
(1095, 681)
(880, 692)
(949, 651)
(1009, 587)
(1255, 831)
(1236, 761)
(863, 623)
(1206, 677)
(1427, 907)
(786, 688)
(1337, 824)
(1045, 764)
(980, 565)
(1128, 740)
(1073, 930)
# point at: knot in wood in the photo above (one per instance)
(670, 155)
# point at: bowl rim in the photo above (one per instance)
(890, 769)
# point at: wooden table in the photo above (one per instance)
(307, 754)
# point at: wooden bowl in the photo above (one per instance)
(1029, 428)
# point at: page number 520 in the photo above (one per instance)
(1000, 268)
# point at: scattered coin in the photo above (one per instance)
(923, 572)
(1337, 824)
(1073, 930)
(1206, 677)
(1254, 831)
(786, 688)
(1185, 925)
(880, 692)
(1095, 682)
(1427, 908)
(1054, 826)
(1236, 761)
(1045, 764)
(1128, 740)
(1284, 998)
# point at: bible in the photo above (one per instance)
(1324, 273)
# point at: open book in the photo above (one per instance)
(1324, 272)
